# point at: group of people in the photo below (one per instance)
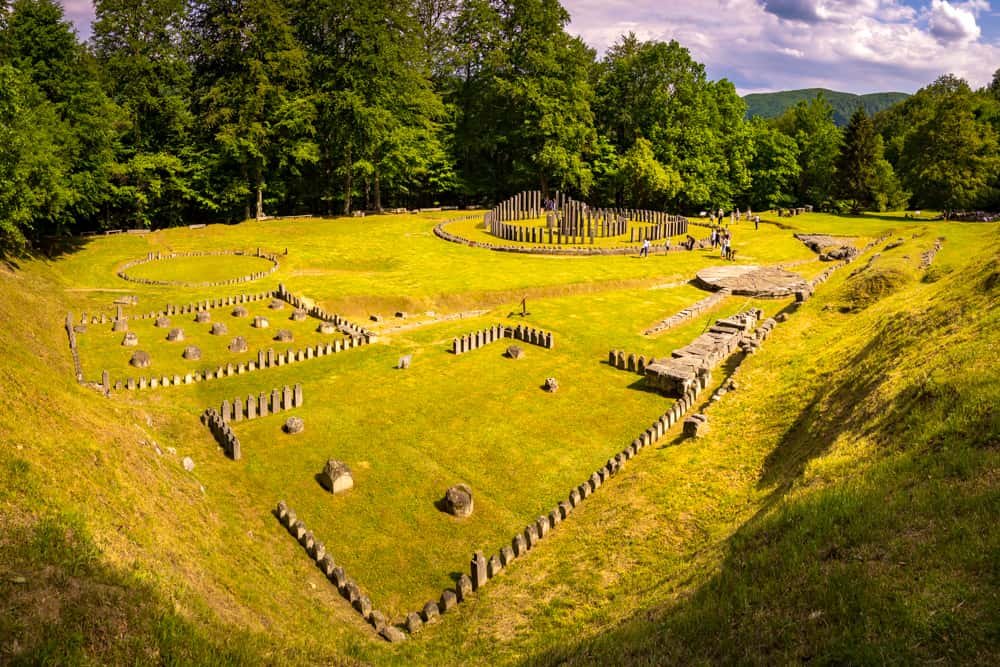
(723, 238)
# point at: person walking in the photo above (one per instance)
(644, 252)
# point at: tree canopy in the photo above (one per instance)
(180, 111)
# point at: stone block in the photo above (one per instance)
(363, 605)
(351, 591)
(413, 623)
(431, 613)
(494, 566)
(458, 500)
(464, 587)
(519, 545)
(506, 556)
(392, 634)
(696, 425)
(478, 572)
(336, 477)
(531, 536)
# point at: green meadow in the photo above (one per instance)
(841, 508)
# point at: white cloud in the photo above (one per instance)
(852, 45)
(80, 13)
(954, 23)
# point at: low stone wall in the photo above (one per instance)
(77, 368)
(335, 573)
(477, 339)
(687, 365)
(268, 359)
(791, 212)
(241, 409)
(183, 309)
(805, 294)
(156, 256)
(689, 312)
(581, 251)
(927, 257)
(342, 323)
(632, 363)
(222, 433)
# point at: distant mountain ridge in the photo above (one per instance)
(772, 105)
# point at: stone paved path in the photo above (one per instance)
(751, 280)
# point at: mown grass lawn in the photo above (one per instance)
(858, 439)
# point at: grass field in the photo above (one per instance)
(841, 509)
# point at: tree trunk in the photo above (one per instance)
(545, 186)
(348, 184)
(260, 193)
(378, 194)
(246, 208)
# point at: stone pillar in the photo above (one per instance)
(297, 396)
(478, 570)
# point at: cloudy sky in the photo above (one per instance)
(859, 46)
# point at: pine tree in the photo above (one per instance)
(857, 166)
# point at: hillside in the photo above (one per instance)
(842, 508)
(772, 105)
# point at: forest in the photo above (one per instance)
(183, 111)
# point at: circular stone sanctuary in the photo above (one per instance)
(220, 267)
(752, 280)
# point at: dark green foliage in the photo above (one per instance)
(863, 176)
(943, 142)
(772, 105)
(811, 125)
(775, 167)
(192, 110)
(524, 98)
(656, 91)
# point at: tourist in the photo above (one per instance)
(644, 252)
(715, 236)
(756, 222)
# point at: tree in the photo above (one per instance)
(859, 168)
(775, 167)
(251, 74)
(811, 125)
(525, 104)
(379, 129)
(643, 179)
(146, 73)
(42, 45)
(695, 127)
(33, 170)
(949, 159)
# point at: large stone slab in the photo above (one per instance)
(751, 280)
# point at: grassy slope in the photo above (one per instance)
(839, 509)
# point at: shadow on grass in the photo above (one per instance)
(897, 562)
(831, 412)
(64, 605)
(49, 248)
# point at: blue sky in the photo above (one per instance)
(858, 46)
